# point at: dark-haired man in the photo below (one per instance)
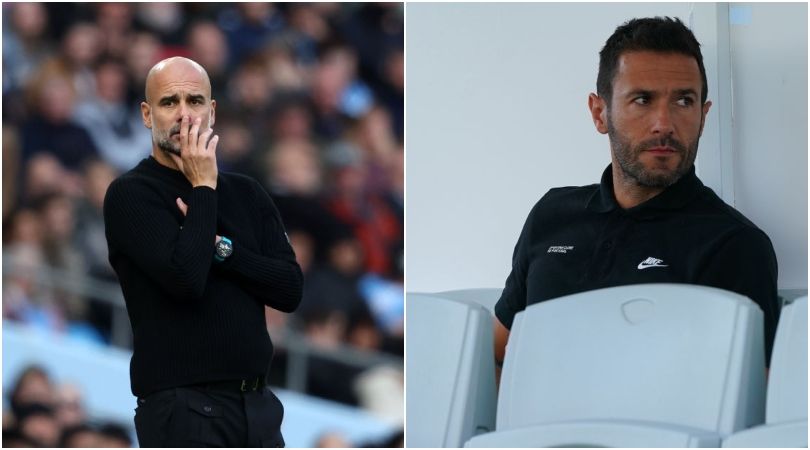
(650, 220)
(199, 253)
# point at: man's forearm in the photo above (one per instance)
(277, 282)
(501, 336)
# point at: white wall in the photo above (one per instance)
(497, 115)
(769, 71)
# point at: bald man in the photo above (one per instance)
(199, 255)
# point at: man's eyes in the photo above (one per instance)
(686, 101)
(682, 101)
(194, 101)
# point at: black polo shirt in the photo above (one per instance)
(578, 239)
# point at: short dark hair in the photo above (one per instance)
(658, 34)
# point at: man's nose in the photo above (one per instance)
(662, 122)
(183, 111)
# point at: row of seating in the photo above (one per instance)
(661, 365)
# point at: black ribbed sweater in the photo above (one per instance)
(195, 320)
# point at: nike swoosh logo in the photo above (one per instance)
(642, 266)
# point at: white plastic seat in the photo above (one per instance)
(651, 365)
(786, 407)
(486, 297)
(451, 392)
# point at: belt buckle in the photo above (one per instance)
(245, 387)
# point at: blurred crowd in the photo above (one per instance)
(310, 100)
(42, 414)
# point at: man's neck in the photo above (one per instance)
(163, 159)
(628, 192)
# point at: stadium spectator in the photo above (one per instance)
(23, 296)
(311, 21)
(292, 119)
(208, 45)
(36, 421)
(81, 49)
(289, 72)
(249, 26)
(51, 129)
(115, 23)
(79, 436)
(69, 408)
(332, 81)
(374, 221)
(11, 169)
(45, 175)
(114, 125)
(145, 49)
(32, 386)
(25, 47)
(114, 436)
(332, 439)
(13, 438)
(25, 43)
(88, 236)
(250, 94)
(165, 19)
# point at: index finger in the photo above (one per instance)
(184, 130)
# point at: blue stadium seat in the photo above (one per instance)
(786, 409)
(655, 365)
(451, 393)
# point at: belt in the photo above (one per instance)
(244, 385)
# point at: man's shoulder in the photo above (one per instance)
(244, 186)
(239, 178)
(718, 218)
(568, 193)
(724, 214)
(565, 198)
(134, 183)
(238, 182)
(134, 176)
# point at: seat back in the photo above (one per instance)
(787, 383)
(450, 368)
(486, 297)
(672, 353)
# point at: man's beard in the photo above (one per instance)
(165, 142)
(629, 161)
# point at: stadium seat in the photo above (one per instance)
(651, 365)
(451, 372)
(786, 408)
(486, 297)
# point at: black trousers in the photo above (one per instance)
(209, 417)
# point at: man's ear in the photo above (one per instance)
(598, 108)
(146, 115)
(704, 113)
(213, 113)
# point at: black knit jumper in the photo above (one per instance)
(196, 320)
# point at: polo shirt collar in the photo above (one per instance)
(674, 197)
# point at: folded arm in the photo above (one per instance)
(271, 274)
(144, 229)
